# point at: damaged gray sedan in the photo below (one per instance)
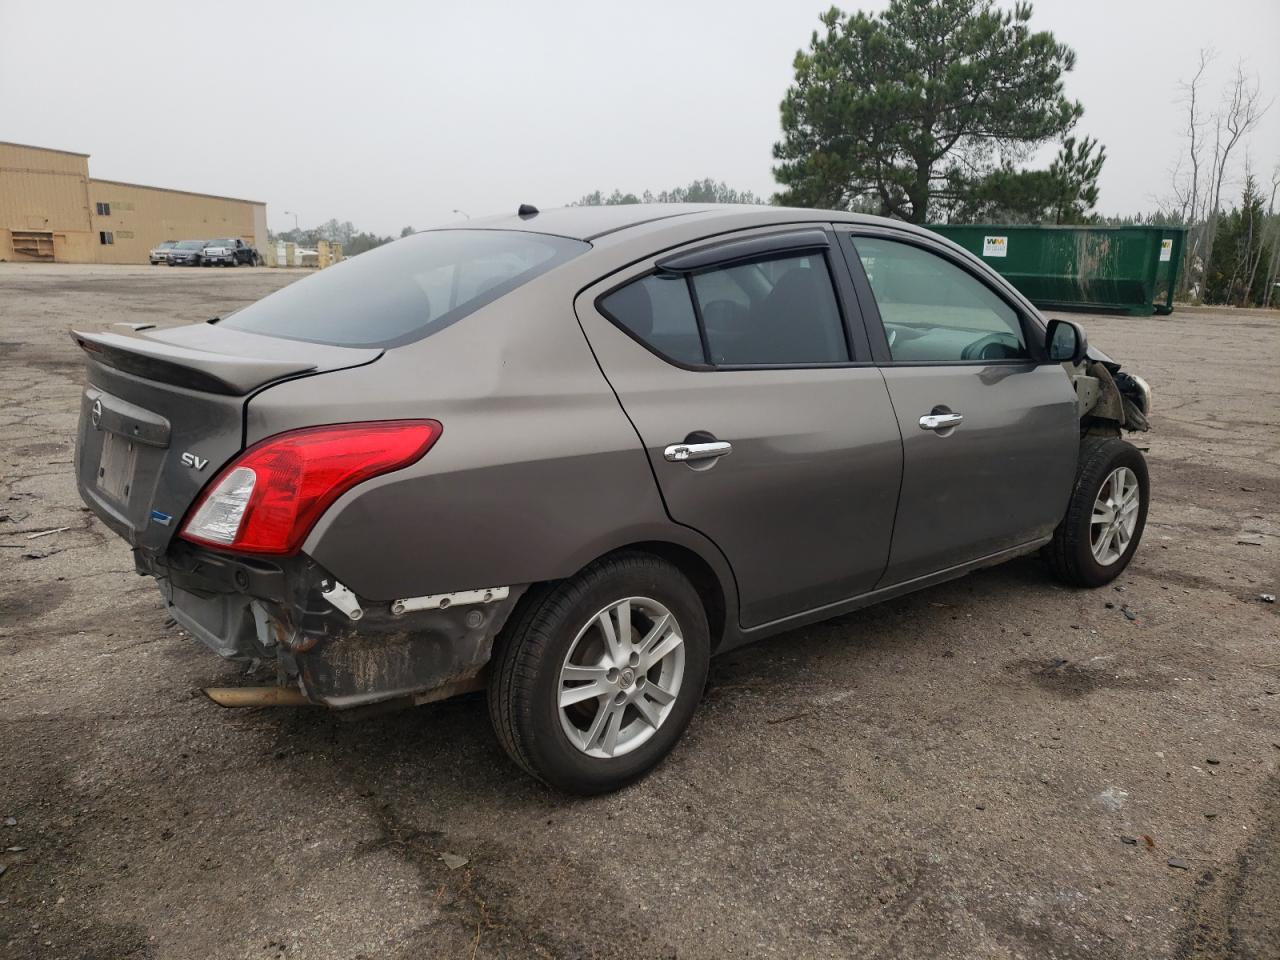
(569, 456)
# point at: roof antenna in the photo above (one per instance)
(526, 211)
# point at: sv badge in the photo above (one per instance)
(194, 462)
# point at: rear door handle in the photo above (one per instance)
(687, 452)
(940, 421)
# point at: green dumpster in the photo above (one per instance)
(1132, 270)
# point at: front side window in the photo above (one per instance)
(776, 312)
(407, 289)
(934, 311)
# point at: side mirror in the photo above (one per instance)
(1065, 342)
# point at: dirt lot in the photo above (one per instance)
(996, 768)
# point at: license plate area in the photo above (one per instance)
(117, 466)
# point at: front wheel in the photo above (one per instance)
(1106, 515)
(596, 679)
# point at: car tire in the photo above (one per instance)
(1106, 514)
(579, 748)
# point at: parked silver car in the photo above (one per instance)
(570, 455)
(160, 254)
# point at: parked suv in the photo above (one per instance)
(160, 254)
(568, 456)
(228, 252)
(186, 253)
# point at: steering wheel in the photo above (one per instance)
(994, 346)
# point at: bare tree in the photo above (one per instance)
(1273, 223)
(1243, 109)
(1187, 189)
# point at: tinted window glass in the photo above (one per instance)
(780, 311)
(658, 311)
(406, 289)
(933, 310)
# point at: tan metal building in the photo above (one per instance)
(51, 209)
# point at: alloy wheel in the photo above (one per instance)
(621, 677)
(1115, 516)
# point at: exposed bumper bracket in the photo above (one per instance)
(342, 598)
(439, 601)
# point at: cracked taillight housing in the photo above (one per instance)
(268, 498)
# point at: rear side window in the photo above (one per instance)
(779, 311)
(776, 312)
(657, 311)
(405, 290)
(934, 311)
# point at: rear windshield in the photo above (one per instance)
(407, 289)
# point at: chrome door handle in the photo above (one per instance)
(686, 452)
(940, 421)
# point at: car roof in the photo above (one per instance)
(591, 223)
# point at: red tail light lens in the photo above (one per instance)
(268, 499)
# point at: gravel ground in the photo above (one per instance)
(999, 767)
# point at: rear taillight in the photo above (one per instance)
(268, 498)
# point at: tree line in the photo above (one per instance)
(353, 241)
(931, 110)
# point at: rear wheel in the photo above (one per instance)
(598, 677)
(1106, 515)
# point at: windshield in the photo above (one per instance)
(407, 289)
(220, 243)
(191, 245)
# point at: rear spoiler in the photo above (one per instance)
(226, 362)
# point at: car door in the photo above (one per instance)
(990, 431)
(766, 424)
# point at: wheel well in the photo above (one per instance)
(698, 572)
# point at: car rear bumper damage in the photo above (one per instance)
(338, 649)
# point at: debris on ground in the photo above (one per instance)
(788, 717)
(453, 861)
(45, 533)
(1178, 863)
(10, 821)
(1132, 841)
(1128, 614)
(1267, 597)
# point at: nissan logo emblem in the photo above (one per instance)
(97, 414)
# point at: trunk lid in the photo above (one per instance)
(163, 411)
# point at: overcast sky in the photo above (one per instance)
(389, 114)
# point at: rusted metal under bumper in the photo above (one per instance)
(252, 610)
(391, 657)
